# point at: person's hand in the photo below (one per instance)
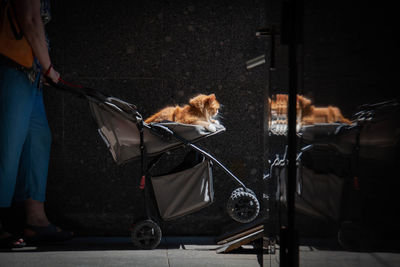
(52, 75)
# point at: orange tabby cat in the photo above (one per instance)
(201, 111)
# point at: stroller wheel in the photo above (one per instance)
(146, 235)
(241, 189)
(243, 206)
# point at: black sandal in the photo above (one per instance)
(46, 234)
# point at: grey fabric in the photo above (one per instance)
(339, 135)
(118, 129)
(320, 194)
(379, 134)
(322, 170)
(317, 194)
(184, 192)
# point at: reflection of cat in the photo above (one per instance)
(201, 111)
(306, 112)
(323, 114)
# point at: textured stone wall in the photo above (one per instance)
(151, 53)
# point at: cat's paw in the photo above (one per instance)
(211, 128)
(216, 122)
(298, 127)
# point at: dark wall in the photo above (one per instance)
(151, 53)
(350, 53)
(156, 53)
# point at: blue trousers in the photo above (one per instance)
(25, 139)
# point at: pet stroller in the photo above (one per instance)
(187, 188)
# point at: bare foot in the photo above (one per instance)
(35, 214)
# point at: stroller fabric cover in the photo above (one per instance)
(119, 131)
(184, 192)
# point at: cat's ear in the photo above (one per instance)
(212, 97)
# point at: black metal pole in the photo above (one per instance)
(291, 34)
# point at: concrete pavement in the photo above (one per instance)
(171, 253)
(120, 252)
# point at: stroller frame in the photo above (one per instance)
(242, 206)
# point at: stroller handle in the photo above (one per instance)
(128, 110)
(78, 90)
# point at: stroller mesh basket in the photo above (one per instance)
(185, 191)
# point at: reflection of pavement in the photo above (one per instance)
(333, 256)
(119, 252)
(311, 257)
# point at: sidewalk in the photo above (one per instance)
(95, 251)
(200, 252)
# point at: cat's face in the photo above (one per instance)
(212, 105)
(304, 104)
(207, 103)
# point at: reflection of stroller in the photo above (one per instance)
(185, 189)
(343, 174)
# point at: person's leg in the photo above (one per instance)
(32, 179)
(16, 102)
(35, 213)
(33, 167)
